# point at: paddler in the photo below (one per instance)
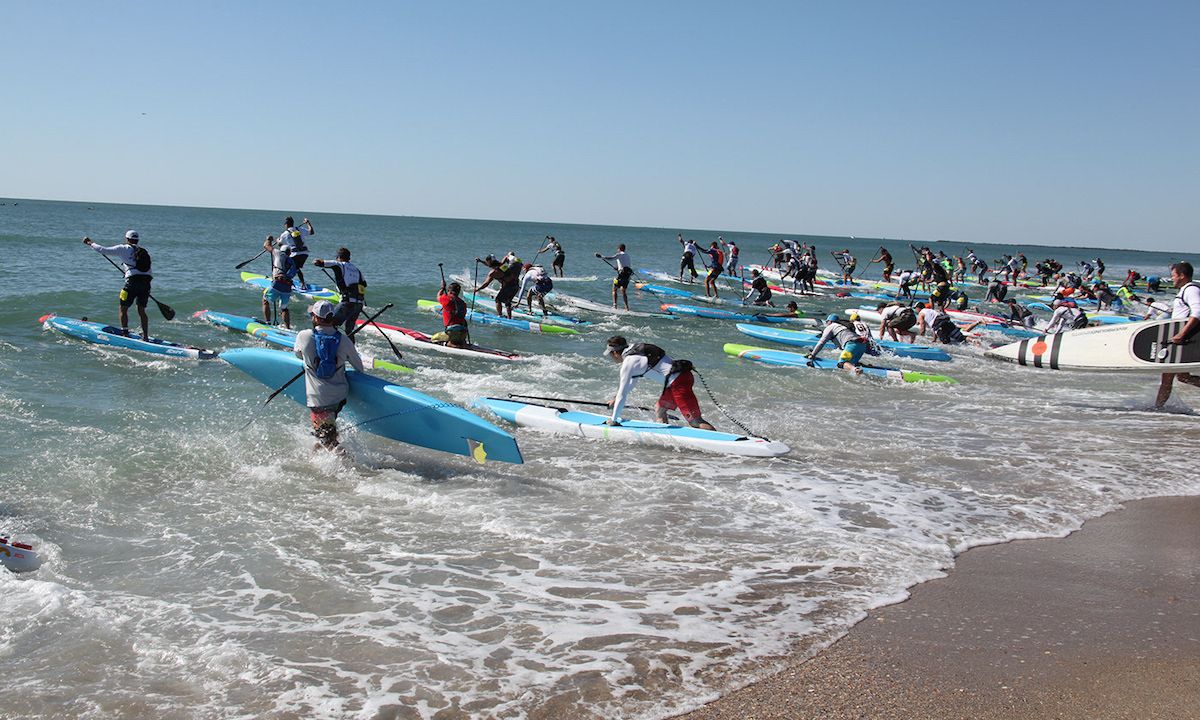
(283, 271)
(852, 337)
(641, 359)
(624, 272)
(1067, 316)
(760, 289)
(731, 256)
(537, 284)
(688, 260)
(454, 315)
(1019, 314)
(848, 263)
(716, 264)
(508, 277)
(897, 320)
(560, 255)
(996, 291)
(293, 238)
(789, 310)
(351, 285)
(1186, 306)
(325, 354)
(889, 265)
(137, 279)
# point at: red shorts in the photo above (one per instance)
(679, 396)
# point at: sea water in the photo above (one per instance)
(195, 569)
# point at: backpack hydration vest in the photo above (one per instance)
(327, 348)
(141, 259)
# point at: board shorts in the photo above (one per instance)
(887, 269)
(903, 320)
(687, 263)
(856, 350)
(324, 422)
(849, 269)
(457, 334)
(506, 294)
(679, 396)
(346, 314)
(714, 272)
(136, 289)
(283, 297)
(764, 297)
(731, 266)
(622, 278)
(559, 260)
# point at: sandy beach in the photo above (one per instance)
(1102, 624)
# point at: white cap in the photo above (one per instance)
(132, 235)
(322, 309)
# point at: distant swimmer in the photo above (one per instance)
(283, 272)
(560, 255)
(136, 289)
(1186, 306)
(325, 354)
(624, 270)
(759, 289)
(294, 239)
(351, 285)
(852, 337)
(642, 359)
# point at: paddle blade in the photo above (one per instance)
(167, 311)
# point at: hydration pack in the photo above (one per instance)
(297, 240)
(1080, 321)
(141, 259)
(947, 331)
(327, 348)
(654, 354)
(543, 285)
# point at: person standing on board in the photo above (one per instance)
(641, 359)
(325, 352)
(759, 289)
(889, 265)
(283, 270)
(731, 256)
(293, 238)
(624, 272)
(137, 279)
(1186, 306)
(351, 285)
(688, 260)
(507, 276)
(716, 264)
(560, 255)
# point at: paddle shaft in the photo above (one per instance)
(576, 401)
(243, 264)
(392, 345)
(167, 311)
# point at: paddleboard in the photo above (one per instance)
(18, 556)
(111, 336)
(389, 410)
(1131, 347)
(561, 421)
(417, 339)
(485, 318)
(310, 291)
(722, 314)
(809, 338)
(284, 337)
(791, 359)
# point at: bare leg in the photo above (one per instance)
(266, 311)
(123, 316)
(145, 322)
(1164, 390)
(287, 318)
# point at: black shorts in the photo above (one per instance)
(558, 261)
(714, 272)
(903, 320)
(622, 278)
(506, 294)
(136, 289)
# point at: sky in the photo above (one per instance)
(1053, 123)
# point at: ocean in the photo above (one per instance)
(194, 569)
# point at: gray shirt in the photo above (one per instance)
(324, 392)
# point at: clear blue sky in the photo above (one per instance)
(1043, 122)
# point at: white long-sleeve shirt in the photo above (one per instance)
(633, 368)
(622, 259)
(534, 274)
(124, 253)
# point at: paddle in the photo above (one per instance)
(167, 311)
(243, 264)
(300, 374)
(474, 292)
(578, 402)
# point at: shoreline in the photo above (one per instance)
(1103, 623)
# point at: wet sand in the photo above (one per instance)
(1102, 624)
